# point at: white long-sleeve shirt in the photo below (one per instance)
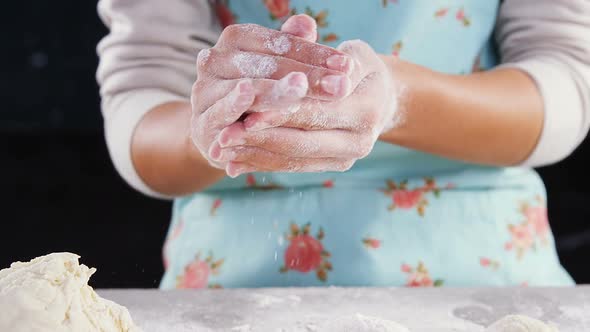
(148, 59)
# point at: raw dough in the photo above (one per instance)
(361, 323)
(518, 323)
(51, 293)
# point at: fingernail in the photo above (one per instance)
(335, 84)
(339, 62)
(293, 85)
(267, 120)
(214, 152)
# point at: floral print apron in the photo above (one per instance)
(398, 217)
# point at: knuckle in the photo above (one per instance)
(229, 33)
(203, 57)
(345, 165)
(198, 86)
(370, 119)
(364, 147)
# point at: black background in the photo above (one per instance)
(60, 191)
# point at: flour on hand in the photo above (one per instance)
(51, 293)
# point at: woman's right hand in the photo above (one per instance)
(255, 69)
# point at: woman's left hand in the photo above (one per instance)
(322, 135)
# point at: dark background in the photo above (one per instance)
(61, 192)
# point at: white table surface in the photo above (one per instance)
(307, 309)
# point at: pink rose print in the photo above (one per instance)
(171, 237)
(215, 206)
(419, 276)
(535, 226)
(397, 48)
(386, 2)
(489, 263)
(537, 217)
(328, 184)
(225, 16)
(441, 12)
(371, 243)
(461, 17)
(277, 8)
(196, 273)
(405, 199)
(522, 239)
(306, 253)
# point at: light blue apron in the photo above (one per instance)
(399, 217)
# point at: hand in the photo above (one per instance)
(322, 135)
(254, 69)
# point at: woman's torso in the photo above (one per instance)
(399, 216)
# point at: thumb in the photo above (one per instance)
(301, 26)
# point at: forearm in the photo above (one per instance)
(164, 155)
(492, 117)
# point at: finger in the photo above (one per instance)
(283, 96)
(299, 143)
(301, 26)
(324, 83)
(257, 39)
(360, 52)
(256, 163)
(231, 107)
(263, 159)
(317, 115)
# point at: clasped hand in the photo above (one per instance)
(276, 101)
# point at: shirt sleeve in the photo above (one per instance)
(550, 41)
(147, 59)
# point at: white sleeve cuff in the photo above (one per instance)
(563, 111)
(122, 114)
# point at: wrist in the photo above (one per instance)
(413, 87)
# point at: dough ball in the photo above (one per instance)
(51, 293)
(518, 323)
(361, 323)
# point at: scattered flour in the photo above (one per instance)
(518, 323)
(51, 293)
(255, 65)
(203, 55)
(242, 328)
(280, 45)
(265, 301)
(361, 323)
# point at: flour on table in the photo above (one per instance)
(265, 301)
(51, 293)
(518, 323)
(361, 323)
(242, 328)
